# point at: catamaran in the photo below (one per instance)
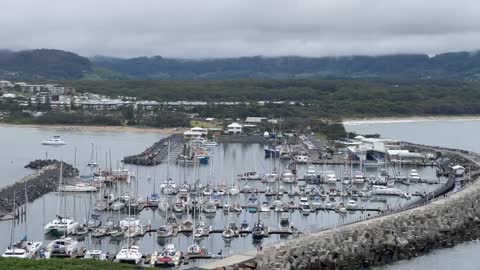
(56, 140)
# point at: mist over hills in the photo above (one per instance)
(58, 64)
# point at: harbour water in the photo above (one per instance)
(455, 133)
(23, 144)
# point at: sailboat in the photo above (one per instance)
(24, 248)
(61, 224)
(129, 253)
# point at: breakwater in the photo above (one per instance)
(156, 153)
(439, 220)
(43, 180)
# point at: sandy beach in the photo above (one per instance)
(373, 120)
(101, 128)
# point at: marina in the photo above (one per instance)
(210, 196)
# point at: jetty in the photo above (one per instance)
(156, 153)
(42, 181)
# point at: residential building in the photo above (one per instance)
(234, 128)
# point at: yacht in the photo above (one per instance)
(310, 174)
(359, 178)
(210, 208)
(23, 250)
(258, 231)
(210, 143)
(163, 205)
(79, 187)
(228, 233)
(130, 254)
(129, 222)
(301, 159)
(99, 232)
(265, 207)
(164, 231)
(330, 177)
(382, 190)
(169, 257)
(317, 202)
(234, 190)
(56, 140)
(270, 177)
(342, 209)
(61, 225)
(249, 176)
(414, 176)
(117, 205)
(201, 230)
(63, 246)
(195, 249)
(284, 222)
(304, 201)
(351, 204)
(287, 176)
(244, 226)
(95, 254)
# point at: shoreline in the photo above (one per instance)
(168, 131)
(407, 119)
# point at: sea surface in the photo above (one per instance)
(19, 145)
(456, 133)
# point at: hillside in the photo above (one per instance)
(56, 64)
(461, 65)
(43, 64)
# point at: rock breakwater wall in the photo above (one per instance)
(42, 181)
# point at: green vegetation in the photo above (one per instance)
(313, 98)
(65, 264)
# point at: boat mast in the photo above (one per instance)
(26, 215)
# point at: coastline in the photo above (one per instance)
(168, 131)
(407, 119)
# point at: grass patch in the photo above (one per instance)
(204, 124)
(64, 264)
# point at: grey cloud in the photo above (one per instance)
(229, 28)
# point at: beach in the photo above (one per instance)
(130, 129)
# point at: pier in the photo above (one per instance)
(156, 153)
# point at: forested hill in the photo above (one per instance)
(461, 65)
(43, 64)
(56, 64)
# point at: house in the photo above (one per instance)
(5, 84)
(234, 128)
(458, 170)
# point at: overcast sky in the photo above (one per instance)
(231, 28)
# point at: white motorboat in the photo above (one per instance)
(330, 177)
(414, 176)
(382, 190)
(79, 187)
(234, 190)
(194, 249)
(22, 249)
(201, 230)
(305, 209)
(129, 222)
(129, 254)
(169, 257)
(265, 207)
(317, 202)
(165, 231)
(301, 159)
(270, 177)
(359, 178)
(95, 254)
(99, 232)
(304, 201)
(163, 205)
(63, 246)
(61, 225)
(351, 204)
(209, 207)
(310, 173)
(288, 177)
(117, 205)
(179, 207)
(284, 222)
(56, 140)
(342, 209)
(228, 233)
(244, 226)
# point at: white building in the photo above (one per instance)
(458, 170)
(5, 84)
(234, 128)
